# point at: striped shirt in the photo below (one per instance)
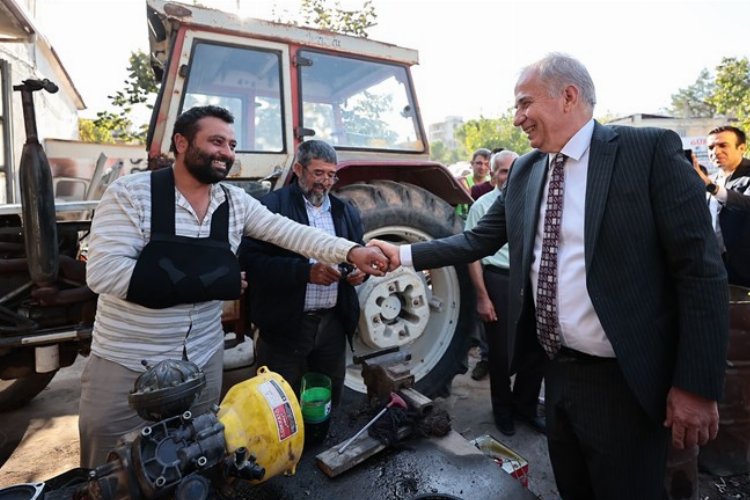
(127, 333)
(320, 296)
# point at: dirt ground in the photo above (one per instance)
(40, 440)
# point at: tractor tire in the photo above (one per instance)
(17, 392)
(434, 322)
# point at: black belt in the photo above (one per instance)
(496, 269)
(319, 313)
(568, 355)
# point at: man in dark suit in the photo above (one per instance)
(615, 270)
(305, 310)
(728, 196)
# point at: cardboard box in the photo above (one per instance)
(508, 460)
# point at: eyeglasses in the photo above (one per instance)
(322, 175)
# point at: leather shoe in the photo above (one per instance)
(539, 424)
(481, 369)
(504, 424)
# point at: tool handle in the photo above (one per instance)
(363, 429)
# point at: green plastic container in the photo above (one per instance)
(315, 403)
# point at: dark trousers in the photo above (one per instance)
(529, 372)
(322, 350)
(601, 443)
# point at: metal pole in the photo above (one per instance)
(7, 134)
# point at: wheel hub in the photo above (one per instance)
(395, 309)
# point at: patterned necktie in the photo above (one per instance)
(546, 292)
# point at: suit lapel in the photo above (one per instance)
(601, 165)
(534, 190)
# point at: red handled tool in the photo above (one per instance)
(394, 401)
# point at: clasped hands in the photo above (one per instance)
(376, 258)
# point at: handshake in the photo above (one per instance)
(377, 258)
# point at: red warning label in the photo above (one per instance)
(286, 425)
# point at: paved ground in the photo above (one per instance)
(469, 406)
(41, 440)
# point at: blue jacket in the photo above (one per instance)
(277, 278)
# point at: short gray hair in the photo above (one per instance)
(315, 150)
(559, 70)
(501, 155)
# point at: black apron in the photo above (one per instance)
(173, 269)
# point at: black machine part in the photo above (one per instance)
(180, 457)
(37, 193)
(166, 389)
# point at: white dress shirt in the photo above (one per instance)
(579, 325)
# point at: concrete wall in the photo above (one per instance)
(57, 114)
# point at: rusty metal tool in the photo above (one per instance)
(395, 400)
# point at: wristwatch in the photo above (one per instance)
(712, 188)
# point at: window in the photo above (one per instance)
(355, 103)
(246, 81)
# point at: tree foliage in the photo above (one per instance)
(447, 156)
(694, 101)
(362, 119)
(731, 96)
(492, 133)
(725, 94)
(117, 125)
(321, 14)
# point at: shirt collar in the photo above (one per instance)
(578, 144)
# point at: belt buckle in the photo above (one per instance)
(567, 355)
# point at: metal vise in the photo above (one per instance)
(385, 372)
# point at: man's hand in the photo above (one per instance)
(322, 274)
(390, 250)
(699, 170)
(243, 281)
(355, 277)
(693, 418)
(485, 309)
(368, 260)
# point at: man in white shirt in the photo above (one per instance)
(161, 298)
(728, 197)
(616, 274)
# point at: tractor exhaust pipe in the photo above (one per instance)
(37, 193)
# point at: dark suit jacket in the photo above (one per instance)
(734, 219)
(277, 278)
(653, 269)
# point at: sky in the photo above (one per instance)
(471, 51)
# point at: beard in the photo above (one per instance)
(200, 165)
(315, 193)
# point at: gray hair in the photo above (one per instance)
(315, 150)
(558, 70)
(501, 155)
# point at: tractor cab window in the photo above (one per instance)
(355, 103)
(246, 81)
